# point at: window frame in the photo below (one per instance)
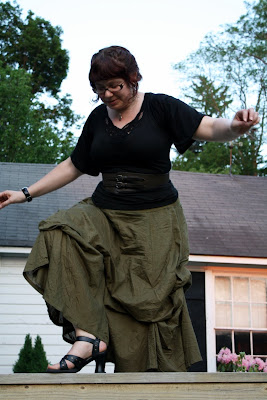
(210, 274)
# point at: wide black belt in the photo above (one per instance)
(123, 182)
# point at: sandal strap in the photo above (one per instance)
(63, 365)
(77, 361)
(95, 351)
(95, 343)
(85, 339)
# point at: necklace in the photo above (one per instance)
(132, 104)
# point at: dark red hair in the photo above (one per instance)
(114, 62)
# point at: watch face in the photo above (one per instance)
(27, 194)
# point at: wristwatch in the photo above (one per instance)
(27, 194)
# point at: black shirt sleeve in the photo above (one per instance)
(179, 118)
(81, 156)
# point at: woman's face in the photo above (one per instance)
(115, 93)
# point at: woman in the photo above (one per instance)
(112, 268)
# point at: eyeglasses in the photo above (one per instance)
(112, 88)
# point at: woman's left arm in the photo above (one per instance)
(224, 130)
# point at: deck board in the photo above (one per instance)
(134, 386)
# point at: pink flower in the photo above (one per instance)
(250, 359)
(242, 362)
(224, 356)
(219, 357)
(234, 358)
(227, 351)
(246, 364)
(260, 363)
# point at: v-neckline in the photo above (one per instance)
(128, 123)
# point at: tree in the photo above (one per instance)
(30, 131)
(209, 157)
(15, 103)
(213, 158)
(32, 67)
(34, 45)
(39, 360)
(31, 359)
(24, 362)
(213, 101)
(235, 57)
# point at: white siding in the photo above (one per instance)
(23, 311)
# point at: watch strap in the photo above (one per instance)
(26, 193)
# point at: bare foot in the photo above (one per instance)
(80, 349)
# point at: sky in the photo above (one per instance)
(159, 33)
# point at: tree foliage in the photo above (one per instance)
(24, 362)
(34, 127)
(209, 157)
(31, 131)
(213, 101)
(34, 45)
(31, 359)
(39, 360)
(232, 61)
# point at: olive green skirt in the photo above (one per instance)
(121, 276)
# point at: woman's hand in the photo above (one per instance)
(244, 120)
(11, 197)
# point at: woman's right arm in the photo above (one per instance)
(60, 176)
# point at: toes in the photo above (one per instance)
(54, 366)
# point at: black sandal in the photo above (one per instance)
(100, 359)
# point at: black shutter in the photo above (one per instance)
(195, 298)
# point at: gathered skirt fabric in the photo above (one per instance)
(121, 276)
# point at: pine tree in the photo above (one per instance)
(24, 362)
(39, 361)
(31, 359)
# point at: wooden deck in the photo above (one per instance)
(134, 386)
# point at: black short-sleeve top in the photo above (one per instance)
(141, 146)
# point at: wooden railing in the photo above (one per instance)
(135, 386)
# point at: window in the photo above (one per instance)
(241, 314)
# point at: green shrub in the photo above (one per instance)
(31, 359)
(39, 361)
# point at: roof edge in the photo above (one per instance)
(261, 261)
(9, 250)
(228, 260)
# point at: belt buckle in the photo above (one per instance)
(119, 178)
(119, 182)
